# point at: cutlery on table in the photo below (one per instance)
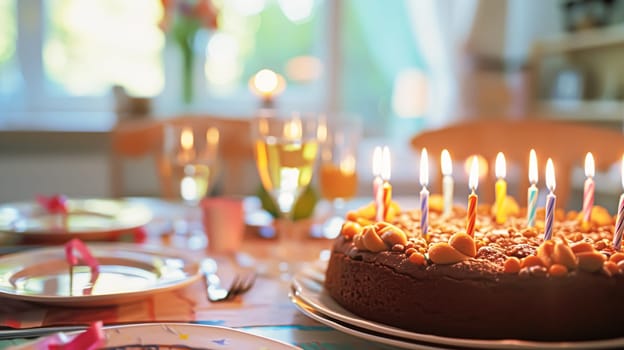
(241, 283)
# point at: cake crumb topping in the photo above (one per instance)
(513, 247)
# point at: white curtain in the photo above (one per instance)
(441, 28)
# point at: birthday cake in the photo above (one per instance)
(502, 282)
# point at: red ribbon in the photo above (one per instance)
(85, 253)
(56, 204)
(90, 339)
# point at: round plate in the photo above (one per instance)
(87, 219)
(178, 336)
(307, 288)
(127, 272)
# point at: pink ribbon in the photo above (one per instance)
(56, 204)
(91, 339)
(76, 244)
(85, 253)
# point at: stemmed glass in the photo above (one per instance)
(286, 149)
(338, 173)
(190, 166)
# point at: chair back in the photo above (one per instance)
(565, 142)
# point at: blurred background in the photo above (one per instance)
(71, 70)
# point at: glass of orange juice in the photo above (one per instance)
(338, 180)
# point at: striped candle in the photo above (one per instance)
(533, 191)
(588, 188)
(386, 188)
(551, 200)
(377, 183)
(473, 182)
(424, 193)
(619, 223)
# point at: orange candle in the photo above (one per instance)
(473, 182)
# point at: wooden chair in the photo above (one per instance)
(140, 138)
(565, 142)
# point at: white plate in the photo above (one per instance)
(87, 219)
(127, 272)
(168, 335)
(309, 311)
(307, 287)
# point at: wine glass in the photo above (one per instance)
(286, 149)
(191, 167)
(338, 168)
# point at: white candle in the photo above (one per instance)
(447, 181)
(588, 188)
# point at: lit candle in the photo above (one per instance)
(551, 199)
(532, 194)
(447, 181)
(619, 222)
(424, 193)
(473, 182)
(267, 84)
(377, 181)
(500, 188)
(386, 188)
(588, 189)
(186, 143)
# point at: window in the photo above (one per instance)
(8, 62)
(332, 54)
(91, 45)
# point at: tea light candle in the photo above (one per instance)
(533, 191)
(500, 188)
(473, 182)
(588, 189)
(619, 222)
(551, 200)
(424, 193)
(447, 181)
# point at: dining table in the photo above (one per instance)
(267, 309)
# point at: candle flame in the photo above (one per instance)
(500, 166)
(550, 175)
(473, 179)
(292, 129)
(266, 81)
(377, 161)
(385, 164)
(532, 167)
(424, 168)
(212, 136)
(186, 139)
(447, 164)
(589, 165)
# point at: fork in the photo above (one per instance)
(240, 284)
